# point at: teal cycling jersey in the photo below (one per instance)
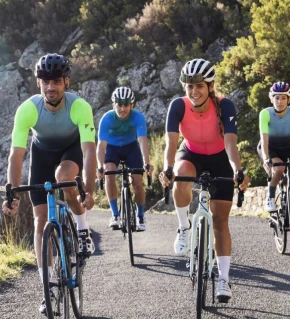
(278, 127)
(119, 132)
(53, 131)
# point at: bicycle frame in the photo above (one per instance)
(202, 211)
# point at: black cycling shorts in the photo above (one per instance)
(129, 153)
(44, 163)
(282, 153)
(217, 165)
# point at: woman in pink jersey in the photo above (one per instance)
(209, 129)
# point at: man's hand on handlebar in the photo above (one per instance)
(14, 207)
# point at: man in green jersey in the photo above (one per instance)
(63, 145)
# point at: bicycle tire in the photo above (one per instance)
(127, 206)
(58, 305)
(206, 270)
(76, 268)
(280, 235)
(200, 263)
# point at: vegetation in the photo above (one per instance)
(14, 255)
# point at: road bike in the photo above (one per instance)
(279, 219)
(202, 255)
(60, 251)
(127, 208)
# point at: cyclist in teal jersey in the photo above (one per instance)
(123, 136)
(274, 146)
(63, 146)
(209, 128)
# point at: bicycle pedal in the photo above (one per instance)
(115, 227)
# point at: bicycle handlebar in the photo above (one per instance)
(206, 180)
(11, 191)
(126, 171)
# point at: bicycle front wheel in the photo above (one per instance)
(54, 284)
(278, 223)
(200, 264)
(76, 268)
(127, 208)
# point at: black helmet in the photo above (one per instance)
(52, 66)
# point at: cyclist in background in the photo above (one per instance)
(63, 146)
(274, 146)
(123, 136)
(208, 126)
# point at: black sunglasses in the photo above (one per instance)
(49, 75)
(119, 101)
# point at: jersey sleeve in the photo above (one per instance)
(175, 115)
(141, 126)
(26, 117)
(104, 126)
(264, 119)
(82, 116)
(228, 116)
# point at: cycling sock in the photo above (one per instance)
(41, 272)
(114, 207)
(182, 213)
(272, 191)
(81, 221)
(140, 210)
(223, 263)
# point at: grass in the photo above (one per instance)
(14, 256)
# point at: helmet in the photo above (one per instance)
(123, 96)
(196, 71)
(52, 66)
(279, 88)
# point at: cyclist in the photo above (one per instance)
(274, 146)
(209, 130)
(63, 145)
(123, 136)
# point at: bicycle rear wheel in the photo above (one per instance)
(200, 265)
(127, 207)
(279, 221)
(54, 284)
(76, 268)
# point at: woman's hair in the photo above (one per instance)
(216, 102)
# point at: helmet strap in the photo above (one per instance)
(54, 104)
(200, 105)
(280, 111)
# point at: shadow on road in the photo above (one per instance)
(163, 261)
(97, 240)
(262, 278)
(90, 317)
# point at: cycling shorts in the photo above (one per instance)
(129, 153)
(44, 163)
(282, 153)
(217, 165)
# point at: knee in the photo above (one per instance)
(39, 223)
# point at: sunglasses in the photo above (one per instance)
(126, 101)
(196, 78)
(49, 75)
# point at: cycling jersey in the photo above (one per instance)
(278, 127)
(118, 132)
(53, 131)
(201, 130)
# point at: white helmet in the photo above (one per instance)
(196, 71)
(279, 88)
(123, 96)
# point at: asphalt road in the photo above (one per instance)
(158, 287)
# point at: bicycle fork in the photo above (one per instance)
(209, 254)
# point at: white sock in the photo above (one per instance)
(81, 221)
(223, 263)
(182, 213)
(41, 273)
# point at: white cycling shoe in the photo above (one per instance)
(181, 243)
(224, 293)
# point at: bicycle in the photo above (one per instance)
(279, 219)
(59, 251)
(127, 208)
(202, 255)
